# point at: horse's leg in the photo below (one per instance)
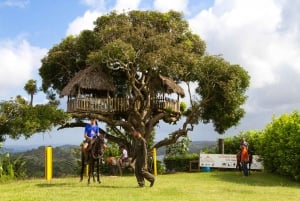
(249, 168)
(98, 170)
(93, 170)
(120, 168)
(250, 162)
(82, 166)
(90, 167)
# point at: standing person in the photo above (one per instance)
(244, 159)
(124, 156)
(140, 158)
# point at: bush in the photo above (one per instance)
(280, 148)
(180, 162)
(232, 144)
(11, 168)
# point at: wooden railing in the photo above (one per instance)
(107, 105)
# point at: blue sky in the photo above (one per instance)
(263, 36)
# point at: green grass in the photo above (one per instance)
(215, 185)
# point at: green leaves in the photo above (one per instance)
(221, 87)
(280, 145)
(17, 118)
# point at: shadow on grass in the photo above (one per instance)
(255, 179)
(92, 185)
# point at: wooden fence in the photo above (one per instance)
(107, 105)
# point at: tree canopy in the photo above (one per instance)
(18, 118)
(137, 47)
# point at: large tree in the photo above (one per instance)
(137, 47)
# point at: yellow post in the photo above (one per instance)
(86, 170)
(48, 163)
(154, 162)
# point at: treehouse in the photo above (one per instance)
(93, 91)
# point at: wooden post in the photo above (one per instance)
(221, 146)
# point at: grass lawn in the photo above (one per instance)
(197, 186)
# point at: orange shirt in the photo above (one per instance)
(244, 155)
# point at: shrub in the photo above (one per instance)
(179, 162)
(280, 148)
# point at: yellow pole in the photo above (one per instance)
(154, 162)
(48, 163)
(87, 170)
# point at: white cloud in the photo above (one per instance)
(18, 63)
(82, 23)
(166, 5)
(87, 20)
(95, 4)
(246, 32)
(126, 5)
(14, 3)
(263, 37)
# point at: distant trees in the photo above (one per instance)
(31, 88)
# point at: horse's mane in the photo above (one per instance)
(96, 149)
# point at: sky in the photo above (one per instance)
(263, 36)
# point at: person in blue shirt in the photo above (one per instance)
(91, 131)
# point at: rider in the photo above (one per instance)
(124, 156)
(244, 143)
(91, 131)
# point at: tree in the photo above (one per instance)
(31, 88)
(136, 48)
(17, 118)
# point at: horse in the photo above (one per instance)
(95, 155)
(126, 164)
(239, 163)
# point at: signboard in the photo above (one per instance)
(225, 161)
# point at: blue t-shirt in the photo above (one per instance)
(91, 130)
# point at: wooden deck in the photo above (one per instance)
(116, 105)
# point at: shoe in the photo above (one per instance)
(152, 182)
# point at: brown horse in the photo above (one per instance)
(95, 154)
(239, 163)
(126, 164)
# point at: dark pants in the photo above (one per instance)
(141, 173)
(245, 168)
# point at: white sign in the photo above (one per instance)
(225, 161)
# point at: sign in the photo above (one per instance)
(226, 161)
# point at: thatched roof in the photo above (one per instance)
(91, 78)
(171, 86)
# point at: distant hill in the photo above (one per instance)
(65, 160)
(24, 148)
(195, 147)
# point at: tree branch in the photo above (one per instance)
(172, 139)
